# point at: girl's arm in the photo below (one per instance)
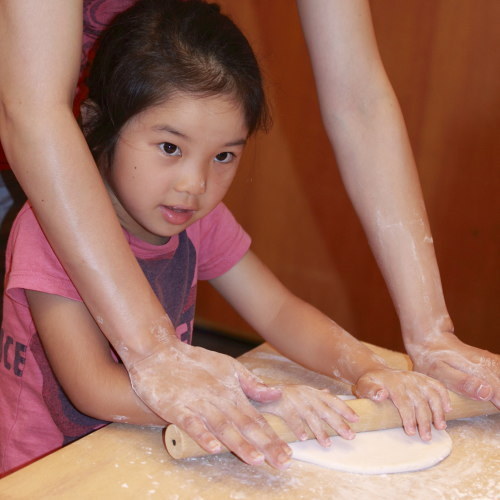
(99, 386)
(40, 49)
(305, 335)
(364, 123)
(83, 363)
(81, 359)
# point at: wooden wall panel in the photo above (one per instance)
(442, 58)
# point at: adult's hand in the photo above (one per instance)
(464, 369)
(205, 393)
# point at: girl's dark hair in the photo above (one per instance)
(161, 47)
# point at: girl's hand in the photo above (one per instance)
(301, 406)
(466, 370)
(205, 394)
(419, 399)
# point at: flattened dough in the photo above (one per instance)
(377, 452)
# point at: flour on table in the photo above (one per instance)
(377, 452)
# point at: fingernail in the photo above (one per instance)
(284, 458)
(214, 446)
(273, 388)
(257, 457)
(379, 394)
(484, 392)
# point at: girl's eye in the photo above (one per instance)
(170, 149)
(225, 157)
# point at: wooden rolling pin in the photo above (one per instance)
(373, 416)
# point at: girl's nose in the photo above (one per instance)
(192, 180)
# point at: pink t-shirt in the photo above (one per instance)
(36, 416)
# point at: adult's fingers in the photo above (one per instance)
(253, 429)
(462, 382)
(240, 428)
(464, 369)
(196, 428)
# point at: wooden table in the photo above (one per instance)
(125, 461)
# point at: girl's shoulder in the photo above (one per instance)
(26, 221)
(219, 240)
(27, 238)
(31, 263)
(219, 221)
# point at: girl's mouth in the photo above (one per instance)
(177, 215)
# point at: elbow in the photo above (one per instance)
(6, 116)
(89, 405)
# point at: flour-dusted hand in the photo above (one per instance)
(301, 406)
(205, 394)
(419, 399)
(464, 369)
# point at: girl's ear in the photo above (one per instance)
(89, 114)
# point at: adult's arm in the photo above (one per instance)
(40, 52)
(365, 126)
(40, 47)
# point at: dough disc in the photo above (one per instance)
(377, 452)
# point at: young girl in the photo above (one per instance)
(167, 117)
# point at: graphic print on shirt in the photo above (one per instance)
(12, 354)
(172, 282)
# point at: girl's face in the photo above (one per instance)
(173, 163)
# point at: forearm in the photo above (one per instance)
(364, 122)
(112, 398)
(88, 238)
(297, 329)
(82, 361)
(384, 188)
(51, 160)
(304, 334)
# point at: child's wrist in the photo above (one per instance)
(373, 369)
